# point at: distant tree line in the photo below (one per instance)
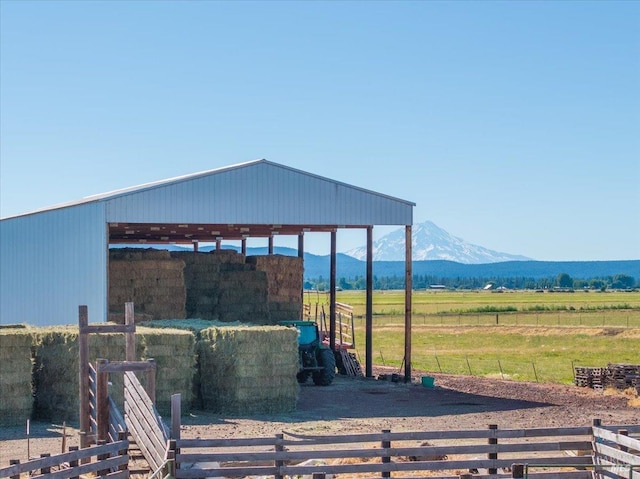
(562, 280)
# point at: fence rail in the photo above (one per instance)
(449, 452)
(109, 461)
(144, 423)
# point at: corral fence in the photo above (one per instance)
(543, 453)
(106, 460)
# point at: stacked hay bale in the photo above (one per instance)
(56, 367)
(15, 375)
(221, 286)
(151, 278)
(248, 370)
(174, 353)
(56, 371)
(285, 281)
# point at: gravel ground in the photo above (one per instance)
(352, 405)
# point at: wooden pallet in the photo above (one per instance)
(350, 363)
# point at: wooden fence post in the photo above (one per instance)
(122, 436)
(14, 462)
(73, 462)
(83, 356)
(623, 432)
(151, 381)
(102, 400)
(173, 453)
(130, 337)
(102, 457)
(386, 459)
(517, 471)
(176, 412)
(493, 455)
(279, 462)
(45, 470)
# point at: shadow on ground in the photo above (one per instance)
(355, 398)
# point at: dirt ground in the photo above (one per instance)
(353, 405)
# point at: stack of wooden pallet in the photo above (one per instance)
(618, 376)
(623, 376)
(590, 377)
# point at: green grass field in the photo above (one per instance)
(524, 335)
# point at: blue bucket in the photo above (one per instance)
(428, 381)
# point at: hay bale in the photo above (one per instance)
(174, 353)
(16, 365)
(154, 281)
(248, 370)
(284, 285)
(56, 373)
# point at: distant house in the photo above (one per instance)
(437, 286)
(488, 287)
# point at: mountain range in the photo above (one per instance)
(430, 242)
(437, 253)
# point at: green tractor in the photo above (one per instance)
(316, 359)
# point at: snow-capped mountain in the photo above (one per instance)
(429, 242)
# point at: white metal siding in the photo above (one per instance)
(259, 193)
(52, 262)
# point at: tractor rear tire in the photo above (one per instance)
(327, 360)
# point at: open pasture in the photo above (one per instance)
(524, 335)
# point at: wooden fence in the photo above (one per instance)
(145, 425)
(558, 452)
(615, 454)
(107, 461)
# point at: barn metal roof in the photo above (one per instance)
(253, 199)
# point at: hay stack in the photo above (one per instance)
(174, 353)
(221, 286)
(56, 369)
(285, 281)
(151, 279)
(248, 370)
(15, 375)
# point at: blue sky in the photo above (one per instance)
(513, 125)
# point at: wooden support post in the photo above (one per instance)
(130, 337)
(623, 432)
(408, 287)
(369, 309)
(173, 454)
(15, 462)
(301, 256)
(102, 457)
(73, 462)
(493, 455)
(151, 381)
(243, 246)
(176, 413)
(517, 471)
(386, 459)
(270, 246)
(102, 400)
(218, 244)
(196, 246)
(122, 435)
(45, 470)
(332, 294)
(279, 462)
(83, 357)
(171, 459)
